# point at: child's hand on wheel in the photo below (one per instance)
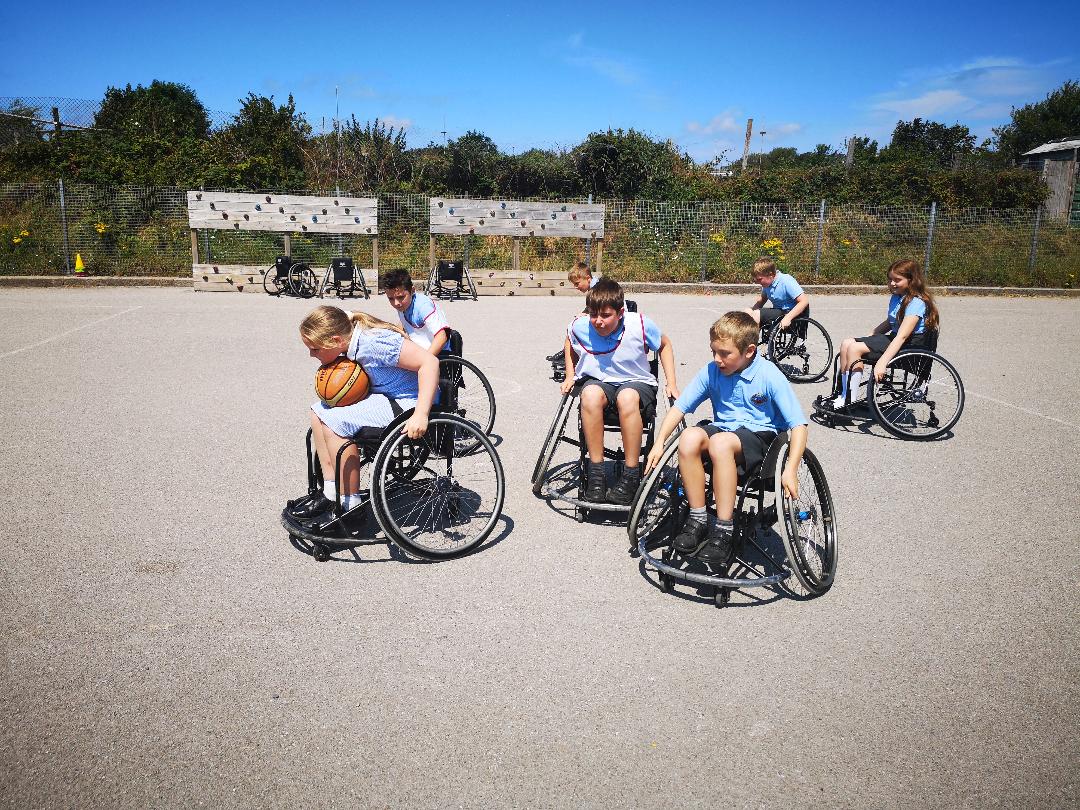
(415, 427)
(654, 457)
(567, 384)
(790, 482)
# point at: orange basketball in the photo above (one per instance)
(341, 382)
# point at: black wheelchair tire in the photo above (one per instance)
(302, 281)
(381, 508)
(547, 449)
(634, 530)
(447, 367)
(270, 282)
(779, 350)
(816, 582)
(881, 402)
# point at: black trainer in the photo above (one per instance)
(719, 548)
(690, 536)
(309, 506)
(551, 358)
(626, 488)
(595, 482)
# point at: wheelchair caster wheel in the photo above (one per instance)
(721, 597)
(634, 553)
(665, 583)
(320, 552)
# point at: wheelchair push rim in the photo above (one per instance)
(473, 398)
(449, 504)
(803, 358)
(920, 398)
(808, 525)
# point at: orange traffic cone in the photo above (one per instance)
(80, 268)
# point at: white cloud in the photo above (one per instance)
(619, 72)
(394, 121)
(724, 122)
(931, 103)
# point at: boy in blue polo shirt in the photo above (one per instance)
(609, 352)
(752, 401)
(785, 298)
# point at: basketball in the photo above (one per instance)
(341, 382)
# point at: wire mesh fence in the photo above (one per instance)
(131, 230)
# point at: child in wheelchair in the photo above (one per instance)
(752, 401)
(781, 299)
(420, 318)
(402, 376)
(910, 316)
(609, 352)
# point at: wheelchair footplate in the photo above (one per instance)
(345, 531)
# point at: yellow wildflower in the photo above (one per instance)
(16, 240)
(100, 227)
(24, 233)
(718, 238)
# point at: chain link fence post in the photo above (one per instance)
(930, 237)
(1034, 243)
(64, 228)
(820, 239)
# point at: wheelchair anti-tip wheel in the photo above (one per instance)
(809, 525)
(439, 504)
(803, 351)
(921, 396)
(471, 396)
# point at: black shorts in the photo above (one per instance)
(879, 343)
(754, 444)
(646, 393)
(770, 314)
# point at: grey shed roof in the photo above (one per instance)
(1055, 146)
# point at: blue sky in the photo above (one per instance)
(546, 74)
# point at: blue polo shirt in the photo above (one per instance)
(759, 397)
(916, 306)
(783, 291)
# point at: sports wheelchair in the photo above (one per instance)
(450, 280)
(921, 396)
(344, 278)
(560, 469)
(807, 527)
(802, 352)
(287, 277)
(473, 398)
(435, 498)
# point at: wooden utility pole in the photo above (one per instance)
(850, 152)
(746, 145)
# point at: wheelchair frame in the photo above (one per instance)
(286, 277)
(391, 454)
(342, 272)
(891, 402)
(444, 269)
(555, 436)
(457, 371)
(783, 344)
(664, 483)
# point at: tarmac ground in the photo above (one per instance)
(165, 644)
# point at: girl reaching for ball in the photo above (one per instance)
(401, 375)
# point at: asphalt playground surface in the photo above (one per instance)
(164, 643)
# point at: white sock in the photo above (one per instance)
(856, 381)
(329, 489)
(841, 398)
(351, 501)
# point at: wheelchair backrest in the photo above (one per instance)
(631, 306)
(449, 271)
(918, 364)
(454, 343)
(282, 265)
(343, 268)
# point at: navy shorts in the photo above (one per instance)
(879, 343)
(646, 393)
(755, 444)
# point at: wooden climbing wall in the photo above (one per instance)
(516, 218)
(285, 213)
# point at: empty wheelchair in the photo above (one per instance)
(921, 396)
(287, 277)
(451, 280)
(344, 279)
(429, 499)
(807, 546)
(473, 398)
(803, 351)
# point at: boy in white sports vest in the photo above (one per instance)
(609, 351)
(422, 320)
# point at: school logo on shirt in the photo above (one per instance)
(759, 399)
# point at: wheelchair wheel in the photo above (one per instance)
(803, 351)
(921, 396)
(302, 281)
(659, 505)
(551, 443)
(473, 399)
(271, 283)
(445, 506)
(808, 525)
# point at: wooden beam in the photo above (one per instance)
(516, 266)
(375, 254)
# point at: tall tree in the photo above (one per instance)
(1056, 116)
(165, 110)
(263, 147)
(474, 165)
(929, 142)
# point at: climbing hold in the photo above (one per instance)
(268, 198)
(198, 196)
(224, 214)
(450, 211)
(258, 207)
(239, 287)
(335, 203)
(205, 278)
(481, 222)
(281, 209)
(236, 225)
(493, 215)
(553, 214)
(513, 215)
(324, 210)
(523, 223)
(356, 220)
(542, 226)
(594, 233)
(314, 218)
(574, 216)
(369, 230)
(564, 208)
(303, 227)
(461, 222)
(292, 217)
(246, 216)
(212, 207)
(503, 205)
(215, 268)
(472, 230)
(346, 210)
(440, 203)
